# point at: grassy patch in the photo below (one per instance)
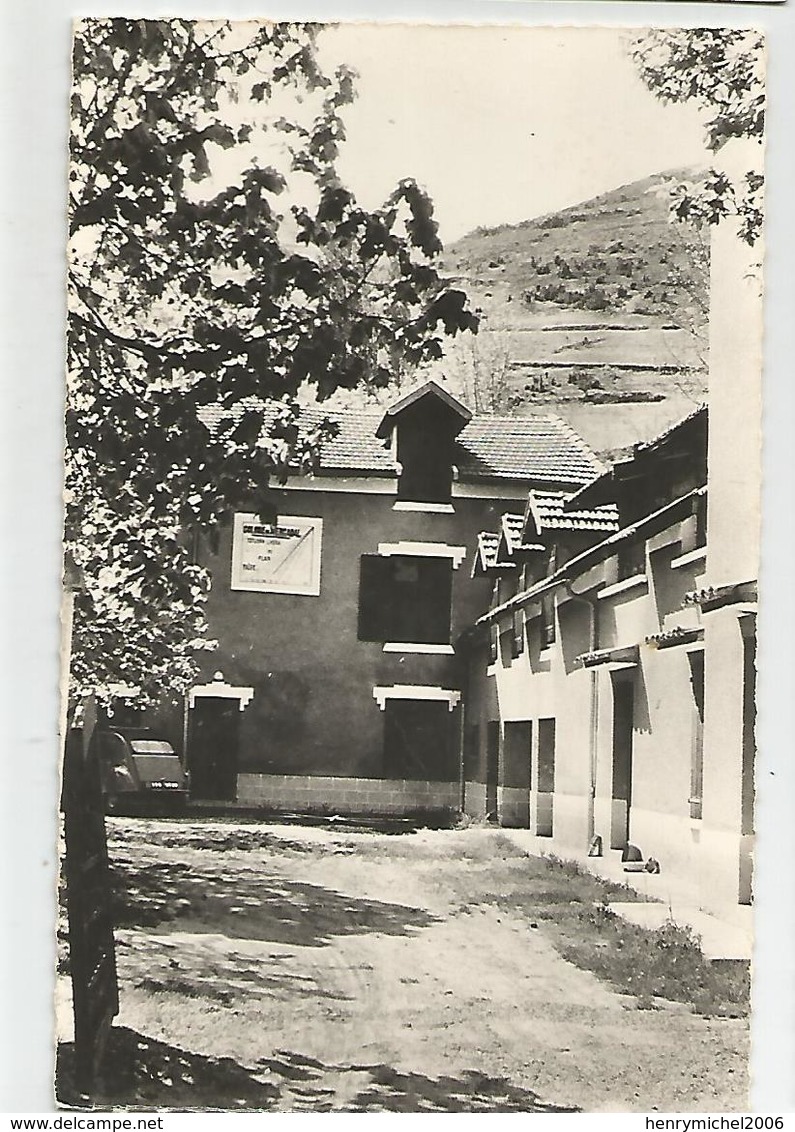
(586, 886)
(651, 964)
(665, 963)
(571, 905)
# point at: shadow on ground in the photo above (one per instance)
(140, 1071)
(208, 968)
(248, 905)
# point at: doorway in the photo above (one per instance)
(623, 726)
(517, 749)
(492, 767)
(696, 661)
(545, 795)
(213, 744)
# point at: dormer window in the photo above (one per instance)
(423, 427)
(426, 463)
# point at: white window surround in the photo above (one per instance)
(354, 485)
(418, 647)
(424, 508)
(634, 582)
(697, 555)
(514, 490)
(424, 550)
(219, 689)
(384, 692)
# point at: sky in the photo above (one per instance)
(502, 124)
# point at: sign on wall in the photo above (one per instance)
(280, 558)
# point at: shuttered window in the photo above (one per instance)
(374, 575)
(405, 598)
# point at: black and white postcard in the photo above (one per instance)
(412, 496)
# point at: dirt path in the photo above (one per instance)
(353, 971)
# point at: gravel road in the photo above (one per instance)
(346, 970)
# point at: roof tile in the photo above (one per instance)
(512, 532)
(537, 448)
(550, 511)
(488, 550)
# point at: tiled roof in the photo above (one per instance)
(540, 448)
(606, 482)
(620, 657)
(583, 561)
(550, 512)
(522, 448)
(355, 446)
(487, 556)
(427, 389)
(714, 597)
(512, 528)
(679, 635)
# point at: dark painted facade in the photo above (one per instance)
(313, 709)
(337, 625)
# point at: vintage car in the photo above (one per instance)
(140, 771)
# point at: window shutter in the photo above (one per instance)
(374, 606)
(518, 632)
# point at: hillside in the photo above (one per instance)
(601, 304)
(615, 253)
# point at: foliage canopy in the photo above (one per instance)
(722, 71)
(217, 261)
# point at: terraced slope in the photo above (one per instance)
(601, 304)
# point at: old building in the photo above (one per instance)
(611, 691)
(610, 697)
(339, 682)
(471, 613)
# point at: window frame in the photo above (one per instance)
(390, 614)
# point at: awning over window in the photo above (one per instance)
(715, 597)
(626, 657)
(676, 636)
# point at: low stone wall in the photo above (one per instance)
(513, 807)
(475, 800)
(315, 794)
